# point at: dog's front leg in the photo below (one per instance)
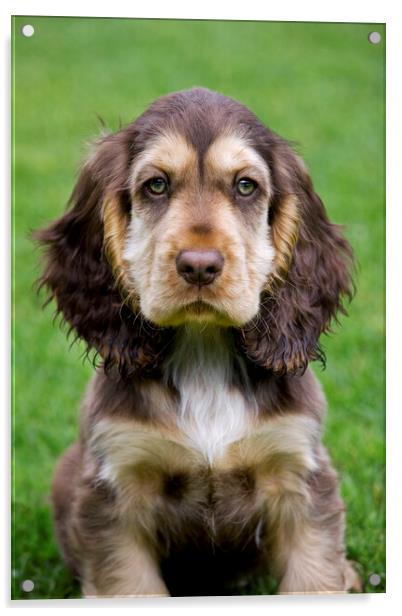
(124, 568)
(308, 560)
(307, 533)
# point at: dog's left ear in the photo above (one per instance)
(81, 265)
(312, 275)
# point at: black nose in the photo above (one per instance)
(199, 267)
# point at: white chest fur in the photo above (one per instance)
(212, 412)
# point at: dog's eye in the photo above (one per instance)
(246, 187)
(156, 186)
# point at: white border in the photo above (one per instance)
(342, 10)
(286, 10)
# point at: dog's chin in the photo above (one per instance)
(199, 312)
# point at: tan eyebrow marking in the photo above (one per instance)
(229, 154)
(169, 152)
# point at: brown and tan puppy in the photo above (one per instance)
(199, 263)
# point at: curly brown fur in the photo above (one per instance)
(80, 278)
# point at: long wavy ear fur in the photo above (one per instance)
(312, 279)
(79, 277)
(306, 291)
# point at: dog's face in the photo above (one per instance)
(197, 212)
(198, 244)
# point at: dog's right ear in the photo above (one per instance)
(77, 272)
(313, 279)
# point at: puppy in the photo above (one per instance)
(198, 262)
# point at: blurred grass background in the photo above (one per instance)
(321, 85)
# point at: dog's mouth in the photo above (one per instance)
(198, 311)
(199, 307)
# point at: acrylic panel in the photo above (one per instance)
(192, 276)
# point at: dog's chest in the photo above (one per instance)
(208, 468)
(205, 424)
(213, 464)
(211, 415)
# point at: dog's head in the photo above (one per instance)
(197, 212)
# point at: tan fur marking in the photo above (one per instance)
(115, 230)
(127, 446)
(129, 571)
(284, 234)
(306, 544)
(135, 460)
(231, 154)
(281, 452)
(308, 561)
(170, 152)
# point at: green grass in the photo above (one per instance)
(321, 85)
